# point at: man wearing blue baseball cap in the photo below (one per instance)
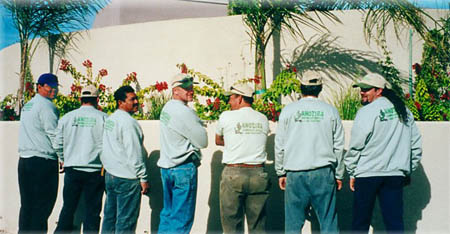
(38, 164)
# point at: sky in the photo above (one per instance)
(9, 35)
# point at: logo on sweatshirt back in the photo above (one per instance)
(308, 116)
(109, 125)
(388, 114)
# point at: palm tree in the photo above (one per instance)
(266, 17)
(59, 45)
(41, 18)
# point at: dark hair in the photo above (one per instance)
(248, 100)
(398, 103)
(90, 100)
(121, 93)
(311, 90)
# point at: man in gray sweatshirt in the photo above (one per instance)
(309, 146)
(385, 147)
(38, 164)
(123, 158)
(78, 145)
(182, 136)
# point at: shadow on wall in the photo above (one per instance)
(155, 194)
(214, 224)
(321, 53)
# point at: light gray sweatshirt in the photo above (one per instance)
(309, 136)
(380, 144)
(182, 134)
(123, 150)
(38, 121)
(79, 138)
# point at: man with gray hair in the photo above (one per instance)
(78, 144)
(309, 144)
(244, 187)
(182, 136)
(385, 147)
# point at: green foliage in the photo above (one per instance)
(7, 106)
(431, 101)
(347, 102)
(65, 104)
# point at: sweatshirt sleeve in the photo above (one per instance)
(416, 146)
(338, 146)
(49, 120)
(133, 145)
(58, 143)
(191, 127)
(279, 145)
(360, 134)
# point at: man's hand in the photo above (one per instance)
(282, 182)
(338, 184)
(144, 187)
(61, 167)
(352, 184)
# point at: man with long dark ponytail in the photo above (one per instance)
(385, 147)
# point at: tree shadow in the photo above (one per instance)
(275, 202)
(214, 224)
(156, 191)
(321, 53)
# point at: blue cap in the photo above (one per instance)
(49, 79)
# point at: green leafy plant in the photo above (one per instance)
(7, 106)
(347, 102)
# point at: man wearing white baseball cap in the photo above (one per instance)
(182, 136)
(385, 147)
(78, 144)
(244, 187)
(309, 146)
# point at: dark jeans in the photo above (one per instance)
(38, 185)
(123, 201)
(91, 185)
(389, 190)
(244, 191)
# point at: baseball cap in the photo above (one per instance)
(311, 78)
(182, 80)
(240, 89)
(89, 91)
(373, 80)
(49, 79)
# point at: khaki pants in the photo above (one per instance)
(243, 191)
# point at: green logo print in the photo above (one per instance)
(308, 116)
(84, 121)
(388, 114)
(248, 128)
(109, 125)
(27, 106)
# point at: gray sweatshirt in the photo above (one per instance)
(38, 121)
(380, 144)
(79, 137)
(309, 136)
(182, 134)
(123, 150)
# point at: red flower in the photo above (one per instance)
(11, 117)
(64, 65)
(29, 87)
(294, 69)
(417, 68)
(418, 106)
(256, 80)
(7, 107)
(184, 69)
(131, 76)
(87, 63)
(445, 96)
(407, 96)
(103, 72)
(432, 98)
(216, 104)
(208, 102)
(75, 88)
(102, 87)
(161, 86)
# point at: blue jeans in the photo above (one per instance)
(123, 200)
(389, 190)
(316, 188)
(180, 193)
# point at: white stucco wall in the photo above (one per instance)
(427, 203)
(218, 47)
